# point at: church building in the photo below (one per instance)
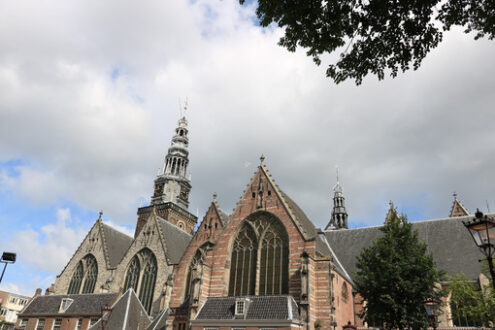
(264, 266)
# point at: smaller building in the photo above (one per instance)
(60, 312)
(248, 313)
(11, 304)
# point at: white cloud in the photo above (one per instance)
(89, 101)
(51, 248)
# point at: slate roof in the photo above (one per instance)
(127, 314)
(83, 304)
(307, 225)
(279, 307)
(224, 217)
(448, 240)
(176, 240)
(116, 243)
(160, 321)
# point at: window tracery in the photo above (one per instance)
(84, 276)
(141, 277)
(260, 254)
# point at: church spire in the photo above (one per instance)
(172, 183)
(339, 212)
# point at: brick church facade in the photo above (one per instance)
(265, 266)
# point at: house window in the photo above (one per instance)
(141, 277)
(3, 311)
(24, 323)
(211, 328)
(262, 239)
(57, 324)
(85, 276)
(268, 329)
(79, 324)
(41, 324)
(238, 328)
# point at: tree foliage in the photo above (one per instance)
(395, 275)
(471, 305)
(373, 36)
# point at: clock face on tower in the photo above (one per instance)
(184, 194)
(158, 189)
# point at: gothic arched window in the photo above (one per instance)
(274, 257)
(243, 262)
(195, 266)
(75, 282)
(141, 276)
(85, 276)
(260, 254)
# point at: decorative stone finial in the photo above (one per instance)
(262, 158)
(100, 214)
(455, 195)
(215, 196)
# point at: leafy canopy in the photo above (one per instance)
(395, 275)
(471, 305)
(373, 36)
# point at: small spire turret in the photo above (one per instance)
(339, 212)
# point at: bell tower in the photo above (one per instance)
(172, 185)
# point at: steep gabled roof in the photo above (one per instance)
(83, 304)
(127, 314)
(447, 239)
(115, 244)
(175, 239)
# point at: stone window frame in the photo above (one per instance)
(146, 281)
(195, 266)
(269, 234)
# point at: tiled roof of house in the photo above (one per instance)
(83, 304)
(279, 307)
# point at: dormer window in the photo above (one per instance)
(240, 307)
(65, 304)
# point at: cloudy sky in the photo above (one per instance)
(89, 98)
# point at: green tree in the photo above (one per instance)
(395, 275)
(471, 305)
(373, 36)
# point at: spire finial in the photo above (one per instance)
(262, 159)
(215, 196)
(337, 171)
(100, 214)
(455, 195)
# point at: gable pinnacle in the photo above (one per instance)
(100, 214)
(215, 196)
(262, 158)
